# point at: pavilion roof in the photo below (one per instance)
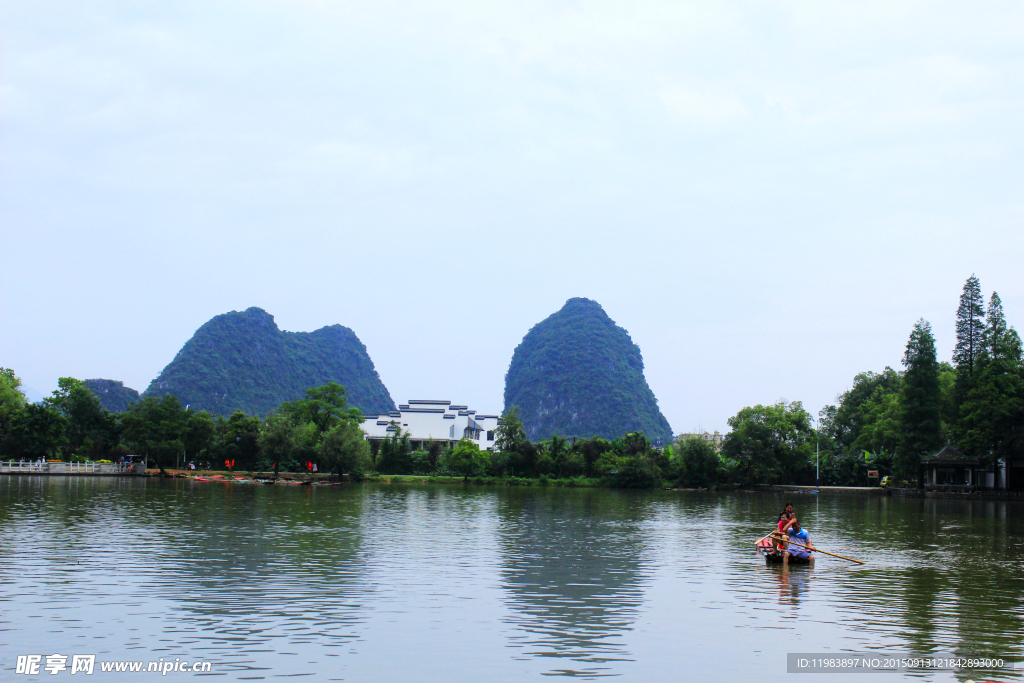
(949, 455)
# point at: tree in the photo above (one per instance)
(566, 461)
(591, 450)
(510, 434)
(86, 420)
(241, 439)
(344, 450)
(324, 406)
(467, 459)
(634, 465)
(970, 326)
(37, 431)
(154, 428)
(697, 462)
(12, 401)
(991, 424)
(393, 457)
(433, 454)
(920, 419)
(199, 432)
(771, 444)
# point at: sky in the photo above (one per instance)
(766, 195)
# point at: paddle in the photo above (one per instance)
(819, 550)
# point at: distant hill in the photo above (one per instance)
(577, 373)
(243, 361)
(113, 395)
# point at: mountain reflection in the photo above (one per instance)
(279, 554)
(573, 576)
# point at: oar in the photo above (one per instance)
(765, 536)
(817, 550)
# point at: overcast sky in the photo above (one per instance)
(766, 195)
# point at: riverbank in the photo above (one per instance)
(904, 493)
(320, 477)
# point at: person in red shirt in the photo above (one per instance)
(786, 518)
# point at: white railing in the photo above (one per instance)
(23, 466)
(68, 467)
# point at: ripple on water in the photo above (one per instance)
(412, 583)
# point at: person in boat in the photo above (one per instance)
(786, 518)
(798, 534)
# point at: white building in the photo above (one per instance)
(429, 419)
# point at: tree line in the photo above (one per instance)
(73, 426)
(888, 420)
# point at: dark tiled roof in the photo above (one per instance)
(423, 410)
(949, 455)
(430, 402)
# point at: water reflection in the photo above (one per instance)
(573, 575)
(455, 583)
(792, 582)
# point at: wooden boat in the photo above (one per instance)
(772, 556)
(776, 559)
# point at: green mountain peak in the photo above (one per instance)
(577, 373)
(244, 361)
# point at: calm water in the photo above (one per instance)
(410, 583)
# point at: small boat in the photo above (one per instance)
(776, 558)
(201, 479)
(772, 555)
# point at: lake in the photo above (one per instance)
(377, 582)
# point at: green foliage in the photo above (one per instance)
(239, 436)
(324, 407)
(12, 402)
(969, 326)
(286, 443)
(434, 449)
(153, 428)
(467, 460)
(509, 436)
(394, 456)
(771, 444)
(991, 424)
(633, 463)
(113, 395)
(343, 450)
(697, 463)
(579, 374)
(36, 431)
(590, 451)
(198, 438)
(920, 418)
(243, 361)
(90, 430)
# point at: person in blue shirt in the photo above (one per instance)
(799, 535)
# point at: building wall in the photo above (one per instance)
(434, 419)
(715, 439)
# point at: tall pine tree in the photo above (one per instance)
(995, 325)
(920, 421)
(991, 424)
(970, 326)
(970, 332)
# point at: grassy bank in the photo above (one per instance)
(563, 482)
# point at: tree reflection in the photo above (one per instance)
(573, 575)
